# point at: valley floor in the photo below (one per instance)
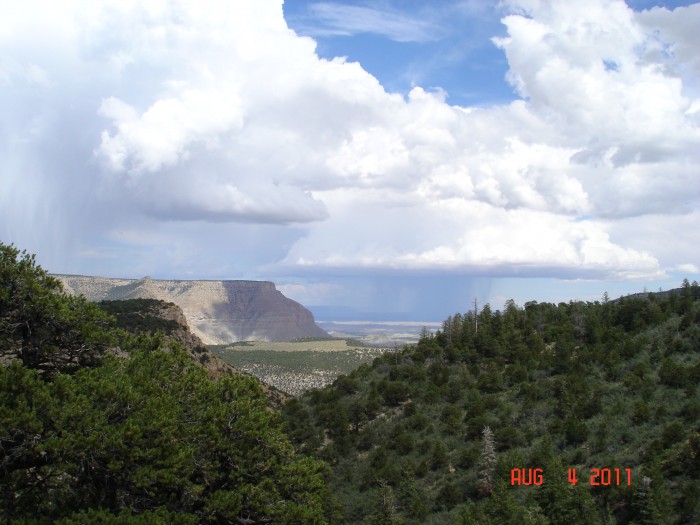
(296, 367)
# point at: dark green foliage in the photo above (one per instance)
(562, 502)
(448, 496)
(383, 506)
(346, 385)
(104, 517)
(140, 315)
(673, 374)
(87, 437)
(646, 507)
(40, 326)
(112, 438)
(394, 392)
(439, 457)
(605, 385)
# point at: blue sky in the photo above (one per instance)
(445, 45)
(392, 156)
(438, 45)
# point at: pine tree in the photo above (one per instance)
(143, 433)
(384, 506)
(644, 504)
(562, 502)
(487, 463)
(42, 327)
(93, 438)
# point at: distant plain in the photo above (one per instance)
(297, 366)
(388, 334)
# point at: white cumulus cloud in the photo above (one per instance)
(213, 112)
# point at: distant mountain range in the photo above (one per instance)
(218, 312)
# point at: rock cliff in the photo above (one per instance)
(151, 315)
(218, 312)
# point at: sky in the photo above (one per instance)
(397, 156)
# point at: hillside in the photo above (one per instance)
(218, 312)
(101, 425)
(432, 434)
(572, 414)
(298, 366)
(151, 316)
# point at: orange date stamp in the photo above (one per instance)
(597, 477)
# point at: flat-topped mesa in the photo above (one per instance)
(219, 312)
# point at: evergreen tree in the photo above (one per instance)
(487, 463)
(42, 327)
(559, 386)
(383, 506)
(473, 514)
(439, 458)
(89, 438)
(112, 438)
(562, 502)
(645, 508)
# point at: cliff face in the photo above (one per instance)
(218, 312)
(138, 316)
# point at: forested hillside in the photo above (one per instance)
(432, 434)
(577, 413)
(167, 322)
(98, 425)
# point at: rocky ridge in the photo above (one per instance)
(218, 312)
(176, 333)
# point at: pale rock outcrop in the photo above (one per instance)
(179, 333)
(218, 312)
